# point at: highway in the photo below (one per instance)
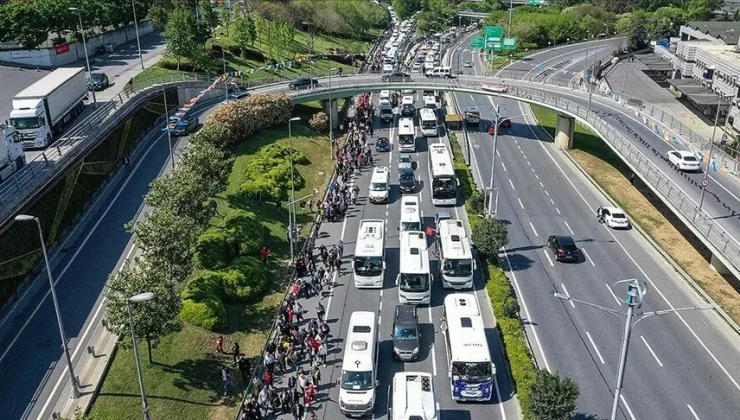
(679, 366)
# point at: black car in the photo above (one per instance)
(396, 77)
(407, 180)
(303, 82)
(564, 248)
(184, 126)
(382, 145)
(406, 333)
(98, 81)
(505, 123)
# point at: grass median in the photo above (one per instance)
(647, 210)
(184, 382)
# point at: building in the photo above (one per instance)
(718, 32)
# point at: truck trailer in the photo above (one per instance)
(41, 110)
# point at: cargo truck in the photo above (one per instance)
(41, 110)
(12, 157)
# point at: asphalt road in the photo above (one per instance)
(679, 366)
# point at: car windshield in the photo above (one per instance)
(382, 142)
(368, 266)
(96, 78)
(406, 139)
(404, 334)
(471, 372)
(414, 283)
(689, 159)
(404, 159)
(23, 123)
(458, 268)
(357, 381)
(378, 186)
(406, 179)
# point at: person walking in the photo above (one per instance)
(322, 352)
(235, 351)
(244, 368)
(220, 344)
(317, 375)
(226, 378)
(320, 311)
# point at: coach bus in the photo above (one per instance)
(444, 181)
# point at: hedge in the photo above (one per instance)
(268, 174)
(242, 119)
(208, 313)
(512, 330)
(213, 249)
(246, 231)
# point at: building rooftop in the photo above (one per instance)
(726, 31)
(723, 52)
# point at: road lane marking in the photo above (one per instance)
(497, 153)
(542, 185)
(567, 294)
(568, 226)
(533, 229)
(547, 193)
(504, 166)
(535, 175)
(558, 210)
(547, 254)
(552, 202)
(693, 413)
(512, 184)
(434, 361)
(595, 348)
(526, 311)
(528, 163)
(520, 203)
(498, 395)
(629, 410)
(651, 351)
(380, 318)
(619, 302)
(588, 257)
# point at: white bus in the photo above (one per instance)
(412, 397)
(414, 278)
(410, 214)
(444, 181)
(470, 366)
(456, 263)
(406, 135)
(428, 122)
(369, 260)
(357, 384)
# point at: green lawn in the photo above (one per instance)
(184, 383)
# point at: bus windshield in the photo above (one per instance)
(357, 381)
(444, 187)
(471, 372)
(414, 283)
(457, 268)
(429, 124)
(410, 226)
(369, 266)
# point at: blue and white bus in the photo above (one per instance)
(470, 368)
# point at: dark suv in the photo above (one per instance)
(303, 82)
(407, 180)
(564, 248)
(406, 333)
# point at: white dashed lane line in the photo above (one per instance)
(619, 302)
(558, 210)
(533, 229)
(588, 257)
(693, 413)
(595, 348)
(651, 351)
(567, 294)
(568, 226)
(547, 255)
(520, 203)
(512, 185)
(504, 166)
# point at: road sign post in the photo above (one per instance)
(477, 42)
(509, 44)
(493, 37)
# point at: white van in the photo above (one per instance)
(439, 72)
(428, 66)
(407, 106)
(385, 94)
(387, 68)
(357, 383)
(410, 214)
(380, 185)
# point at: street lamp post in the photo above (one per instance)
(84, 46)
(496, 112)
(225, 76)
(65, 349)
(167, 127)
(142, 297)
(711, 151)
(511, 8)
(291, 205)
(136, 28)
(331, 113)
(636, 292)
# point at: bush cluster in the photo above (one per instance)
(319, 121)
(268, 174)
(242, 119)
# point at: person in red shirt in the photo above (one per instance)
(220, 344)
(264, 255)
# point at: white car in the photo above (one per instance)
(615, 218)
(405, 162)
(684, 160)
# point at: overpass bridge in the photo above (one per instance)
(482, 15)
(717, 233)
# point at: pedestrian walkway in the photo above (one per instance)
(289, 380)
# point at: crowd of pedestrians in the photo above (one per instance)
(302, 342)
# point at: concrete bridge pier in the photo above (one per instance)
(333, 108)
(564, 131)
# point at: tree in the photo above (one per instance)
(153, 319)
(702, 9)
(245, 32)
(490, 236)
(406, 8)
(181, 37)
(208, 16)
(552, 397)
(226, 17)
(26, 24)
(158, 13)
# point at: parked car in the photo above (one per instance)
(302, 82)
(684, 160)
(405, 161)
(396, 77)
(564, 248)
(382, 144)
(615, 218)
(184, 126)
(407, 180)
(98, 81)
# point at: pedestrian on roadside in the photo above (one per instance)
(264, 255)
(244, 367)
(226, 378)
(298, 312)
(317, 374)
(320, 311)
(235, 351)
(323, 351)
(220, 344)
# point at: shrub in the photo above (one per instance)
(208, 313)
(213, 250)
(268, 174)
(477, 203)
(247, 232)
(249, 279)
(213, 133)
(244, 118)
(205, 284)
(489, 236)
(319, 121)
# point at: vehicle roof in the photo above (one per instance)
(454, 242)
(404, 156)
(613, 209)
(50, 82)
(683, 153)
(406, 315)
(442, 215)
(414, 256)
(370, 237)
(407, 172)
(413, 396)
(466, 342)
(565, 239)
(408, 99)
(358, 353)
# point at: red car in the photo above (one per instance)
(505, 123)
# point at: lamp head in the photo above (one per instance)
(24, 218)
(295, 119)
(142, 297)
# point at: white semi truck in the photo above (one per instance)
(12, 157)
(41, 110)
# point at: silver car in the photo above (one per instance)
(405, 162)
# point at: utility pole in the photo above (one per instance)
(496, 110)
(711, 151)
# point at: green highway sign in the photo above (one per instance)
(477, 42)
(493, 37)
(537, 2)
(509, 44)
